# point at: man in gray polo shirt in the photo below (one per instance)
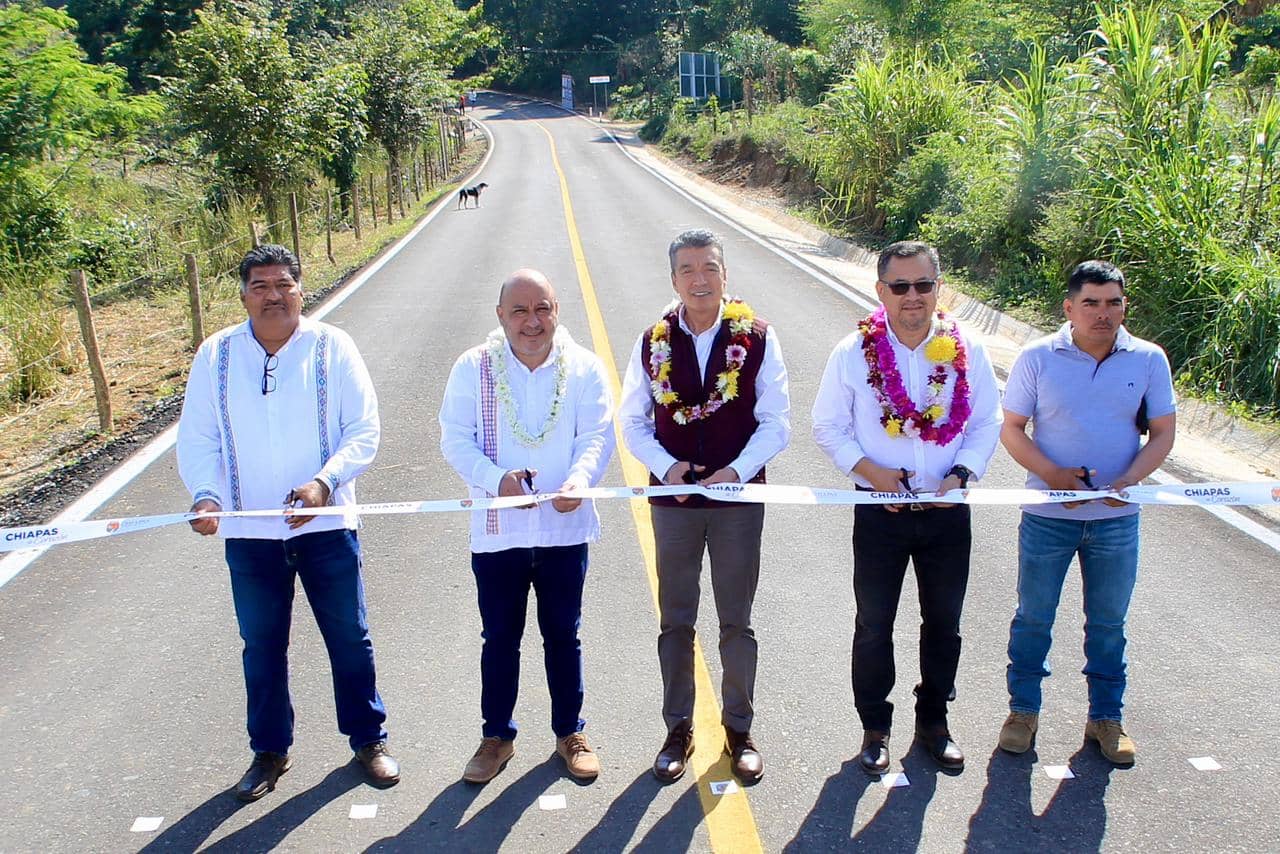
(1091, 388)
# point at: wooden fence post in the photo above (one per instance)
(373, 202)
(328, 224)
(85, 312)
(355, 209)
(293, 225)
(254, 240)
(390, 199)
(197, 309)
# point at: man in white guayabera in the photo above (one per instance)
(529, 410)
(1091, 389)
(281, 408)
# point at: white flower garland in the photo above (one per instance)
(497, 347)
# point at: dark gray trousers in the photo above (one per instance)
(732, 537)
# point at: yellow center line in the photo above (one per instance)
(729, 821)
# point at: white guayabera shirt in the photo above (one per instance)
(246, 450)
(479, 442)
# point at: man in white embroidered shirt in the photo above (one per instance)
(280, 408)
(529, 410)
(706, 399)
(908, 402)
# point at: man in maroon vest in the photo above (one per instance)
(705, 401)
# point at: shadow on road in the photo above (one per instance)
(267, 831)
(440, 827)
(896, 826)
(1074, 820)
(616, 827)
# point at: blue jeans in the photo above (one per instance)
(503, 579)
(1108, 550)
(262, 585)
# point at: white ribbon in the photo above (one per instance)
(1234, 493)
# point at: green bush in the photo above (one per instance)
(874, 119)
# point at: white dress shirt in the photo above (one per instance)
(577, 450)
(246, 450)
(772, 410)
(846, 414)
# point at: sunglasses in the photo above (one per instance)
(268, 378)
(899, 289)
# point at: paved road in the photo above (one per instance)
(120, 685)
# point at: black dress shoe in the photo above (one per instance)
(262, 775)
(380, 766)
(748, 764)
(874, 757)
(674, 755)
(937, 741)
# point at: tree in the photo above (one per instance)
(239, 94)
(52, 104)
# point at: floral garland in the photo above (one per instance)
(497, 347)
(741, 318)
(900, 416)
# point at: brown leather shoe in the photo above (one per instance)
(262, 775)
(490, 758)
(380, 766)
(675, 753)
(936, 739)
(579, 758)
(747, 762)
(874, 756)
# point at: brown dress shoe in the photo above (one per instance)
(490, 758)
(379, 765)
(675, 753)
(747, 762)
(262, 775)
(938, 742)
(580, 760)
(874, 757)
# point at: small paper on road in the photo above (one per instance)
(147, 824)
(894, 780)
(1059, 772)
(723, 787)
(551, 802)
(364, 811)
(1205, 763)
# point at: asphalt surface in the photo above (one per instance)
(120, 686)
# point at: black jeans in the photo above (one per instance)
(936, 541)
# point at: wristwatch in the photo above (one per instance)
(961, 472)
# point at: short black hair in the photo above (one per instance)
(268, 255)
(1093, 272)
(694, 238)
(906, 249)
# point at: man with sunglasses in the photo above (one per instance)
(1091, 388)
(908, 403)
(280, 410)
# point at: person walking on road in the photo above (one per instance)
(908, 402)
(529, 410)
(280, 408)
(1091, 389)
(705, 400)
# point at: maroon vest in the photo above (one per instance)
(716, 441)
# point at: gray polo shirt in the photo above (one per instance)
(1083, 412)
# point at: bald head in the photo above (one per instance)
(528, 312)
(527, 277)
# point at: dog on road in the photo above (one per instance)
(470, 193)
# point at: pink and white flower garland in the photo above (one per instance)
(940, 420)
